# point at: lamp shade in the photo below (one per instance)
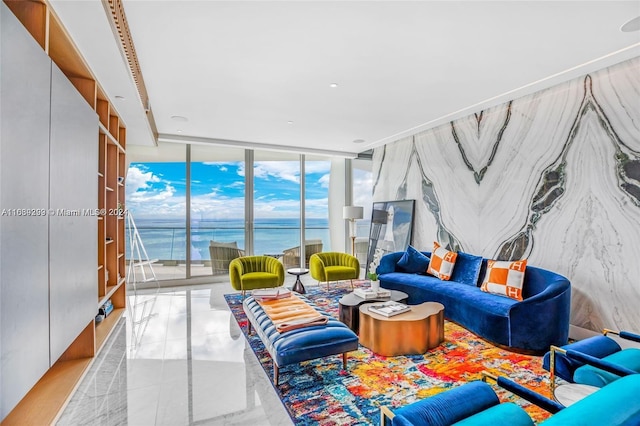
(352, 212)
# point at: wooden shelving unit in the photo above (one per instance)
(44, 401)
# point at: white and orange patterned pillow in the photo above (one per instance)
(505, 278)
(442, 262)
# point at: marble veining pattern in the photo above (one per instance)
(553, 177)
(479, 171)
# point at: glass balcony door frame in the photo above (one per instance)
(249, 217)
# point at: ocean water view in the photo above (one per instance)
(165, 239)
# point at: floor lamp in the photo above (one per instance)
(352, 213)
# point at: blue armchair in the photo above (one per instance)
(594, 361)
(476, 404)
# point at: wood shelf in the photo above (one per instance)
(106, 326)
(111, 290)
(47, 398)
(43, 403)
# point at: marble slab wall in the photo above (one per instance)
(553, 177)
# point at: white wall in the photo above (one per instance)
(553, 177)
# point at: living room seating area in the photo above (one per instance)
(534, 323)
(257, 138)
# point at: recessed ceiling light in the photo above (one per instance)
(334, 85)
(631, 25)
(358, 141)
(179, 130)
(121, 98)
(289, 122)
(179, 118)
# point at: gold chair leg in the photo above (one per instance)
(552, 366)
(552, 370)
(385, 413)
(344, 360)
(351, 281)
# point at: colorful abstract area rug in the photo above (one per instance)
(320, 392)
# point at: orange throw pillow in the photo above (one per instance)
(442, 262)
(505, 278)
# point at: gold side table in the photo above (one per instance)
(409, 333)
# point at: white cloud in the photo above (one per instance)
(142, 197)
(139, 179)
(285, 170)
(155, 195)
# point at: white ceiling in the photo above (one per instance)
(240, 71)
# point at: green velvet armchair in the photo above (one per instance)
(334, 266)
(252, 272)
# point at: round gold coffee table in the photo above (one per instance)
(409, 333)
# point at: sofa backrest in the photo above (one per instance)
(536, 280)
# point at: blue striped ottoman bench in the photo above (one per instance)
(301, 344)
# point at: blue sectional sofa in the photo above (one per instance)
(530, 326)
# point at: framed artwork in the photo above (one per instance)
(391, 229)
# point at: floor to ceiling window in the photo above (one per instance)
(317, 172)
(276, 202)
(156, 199)
(217, 208)
(188, 202)
(277, 205)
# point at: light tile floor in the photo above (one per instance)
(177, 357)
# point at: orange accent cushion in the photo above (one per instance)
(505, 278)
(442, 262)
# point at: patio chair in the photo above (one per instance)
(222, 254)
(291, 256)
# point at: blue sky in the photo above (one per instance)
(217, 189)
